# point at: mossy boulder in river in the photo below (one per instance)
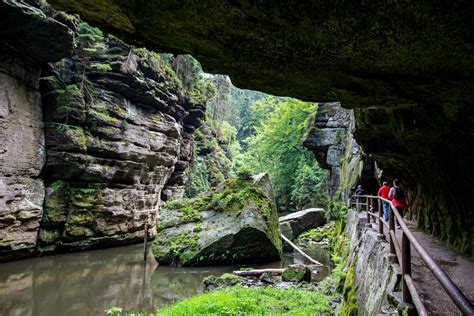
(236, 222)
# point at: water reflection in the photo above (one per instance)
(88, 283)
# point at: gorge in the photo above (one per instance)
(105, 142)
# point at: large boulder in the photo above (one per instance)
(294, 224)
(236, 222)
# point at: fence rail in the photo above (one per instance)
(402, 253)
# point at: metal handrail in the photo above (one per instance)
(409, 290)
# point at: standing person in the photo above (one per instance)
(397, 195)
(360, 190)
(383, 192)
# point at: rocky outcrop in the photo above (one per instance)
(23, 47)
(89, 150)
(331, 139)
(292, 225)
(371, 276)
(236, 222)
(327, 138)
(118, 138)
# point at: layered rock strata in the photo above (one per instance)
(24, 45)
(118, 137)
(88, 151)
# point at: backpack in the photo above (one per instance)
(399, 194)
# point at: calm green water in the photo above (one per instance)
(88, 283)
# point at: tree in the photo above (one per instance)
(278, 125)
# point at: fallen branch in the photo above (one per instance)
(258, 272)
(301, 251)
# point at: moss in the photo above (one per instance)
(104, 117)
(51, 83)
(181, 248)
(349, 305)
(58, 185)
(101, 67)
(296, 274)
(48, 236)
(86, 198)
(225, 280)
(124, 125)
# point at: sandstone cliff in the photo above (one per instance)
(89, 150)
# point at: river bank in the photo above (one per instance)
(88, 283)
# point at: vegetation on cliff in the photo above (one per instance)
(249, 132)
(235, 222)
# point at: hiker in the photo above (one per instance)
(397, 195)
(360, 190)
(383, 192)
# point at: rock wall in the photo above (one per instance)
(91, 149)
(22, 141)
(331, 139)
(374, 276)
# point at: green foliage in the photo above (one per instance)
(275, 147)
(101, 67)
(336, 210)
(310, 183)
(198, 181)
(349, 307)
(90, 38)
(58, 185)
(114, 311)
(238, 300)
(162, 63)
(87, 190)
(196, 85)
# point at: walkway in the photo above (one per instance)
(459, 268)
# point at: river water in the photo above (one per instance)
(88, 283)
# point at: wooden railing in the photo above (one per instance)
(402, 254)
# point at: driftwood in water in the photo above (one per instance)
(301, 251)
(258, 272)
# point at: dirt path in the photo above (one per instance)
(458, 267)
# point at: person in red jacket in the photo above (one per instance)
(397, 195)
(383, 192)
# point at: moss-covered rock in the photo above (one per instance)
(236, 222)
(296, 273)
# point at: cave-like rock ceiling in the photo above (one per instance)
(313, 50)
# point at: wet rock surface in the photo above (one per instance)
(236, 222)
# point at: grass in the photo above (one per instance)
(238, 300)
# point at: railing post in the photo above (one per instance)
(406, 269)
(367, 208)
(391, 227)
(380, 236)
